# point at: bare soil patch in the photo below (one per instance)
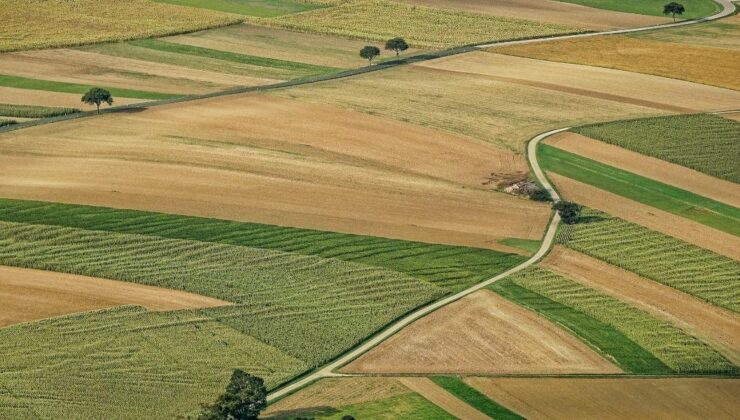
(717, 326)
(27, 295)
(335, 392)
(240, 158)
(482, 333)
(548, 11)
(679, 227)
(443, 399)
(657, 169)
(614, 85)
(560, 398)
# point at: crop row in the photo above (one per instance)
(659, 257)
(30, 111)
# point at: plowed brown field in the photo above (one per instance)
(548, 11)
(717, 326)
(659, 170)
(27, 295)
(642, 214)
(482, 333)
(240, 158)
(581, 398)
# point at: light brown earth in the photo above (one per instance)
(719, 327)
(613, 85)
(41, 97)
(659, 170)
(443, 399)
(88, 68)
(477, 106)
(336, 392)
(679, 227)
(700, 64)
(482, 333)
(735, 116)
(548, 11)
(601, 398)
(239, 157)
(27, 295)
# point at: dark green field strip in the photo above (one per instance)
(256, 8)
(703, 142)
(603, 337)
(32, 111)
(302, 68)
(474, 398)
(694, 8)
(641, 189)
(667, 260)
(451, 267)
(52, 86)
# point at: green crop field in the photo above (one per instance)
(52, 86)
(704, 274)
(406, 406)
(703, 142)
(30, 111)
(474, 398)
(673, 347)
(126, 363)
(641, 189)
(421, 26)
(451, 267)
(259, 8)
(694, 8)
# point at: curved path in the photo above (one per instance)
(328, 370)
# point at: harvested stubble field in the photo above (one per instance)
(718, 34)
(670, 224)
(660, 170)
(716, 326)
(561, 398)
(127, 363)
(549, 11)
(696, 271)
(239, 158)
(674, 348)
(714, 214)
(34, 294)
(453, 268)
(482, 334)
(477, 106)
(55, 23)
(707, 65)
(703, 142)
(421, 26)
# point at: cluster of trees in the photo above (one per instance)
(369, 52)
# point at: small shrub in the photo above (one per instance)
(540, 194)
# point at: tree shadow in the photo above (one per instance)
(302, 412)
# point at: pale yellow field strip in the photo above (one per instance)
(719, 327)
(659, 170)
(582, 398)
(679, 227)
(443, 399)
(616, 85)
(27, 295)
(16, 96)
(548, 11)
(485, 334)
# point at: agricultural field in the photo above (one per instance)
(696, 271)
(694, 8)
(258, 8)
(455, 385)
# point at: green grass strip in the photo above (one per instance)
(694, 8)
(601, 336)
(451, 267)
(641, 189)
(474, 398)
(52, 86)
(309, 69)
(33, 111)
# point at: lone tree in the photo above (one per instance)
(397, 45)
(569, 211)
(673, 9)
(244, 398)
(97, 96)
(369, 52)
